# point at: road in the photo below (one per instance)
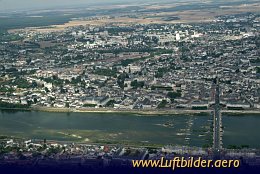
(217, 132)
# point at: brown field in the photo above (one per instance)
(188, 16)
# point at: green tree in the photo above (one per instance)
(137, 84)
(162, 104)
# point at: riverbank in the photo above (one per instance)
(124, 111)
(240, 112)
(150, 112)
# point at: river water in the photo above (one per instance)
(128, 128)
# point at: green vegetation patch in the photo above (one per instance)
(110, 103)
(19, 82)
(255, 60)
(257, 69)
(5, 89)
(238, 147)
(166, 88)
(12, 105)
(174, 94)
(89, 105)
(137, 84)
(54, 80)
(162, 104)
(235, 108)
(105, 72)
(160, 73)
(199, 108)
(126, 62)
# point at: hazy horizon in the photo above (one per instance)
(16, 5)
(23, 5)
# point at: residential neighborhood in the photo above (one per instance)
(143, 67)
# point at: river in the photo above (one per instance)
(128, 128)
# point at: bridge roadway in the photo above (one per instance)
(217, 123)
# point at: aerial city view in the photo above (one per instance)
(103, 83)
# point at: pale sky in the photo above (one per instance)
(11, 5)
